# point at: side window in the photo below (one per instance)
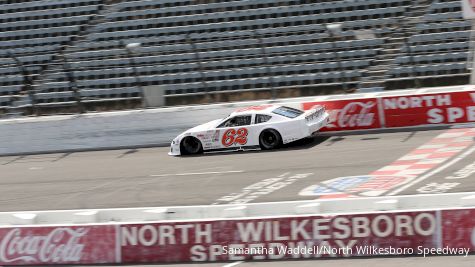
(260, 118)
(236, 121)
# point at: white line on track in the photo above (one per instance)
(233, 264)
(34, 168)
(429, 174)
(193, 173)
(461, 126)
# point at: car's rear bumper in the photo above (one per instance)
(316, 125)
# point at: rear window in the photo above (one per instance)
(287, 112)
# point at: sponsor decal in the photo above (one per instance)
(209, 139)
(215, 137)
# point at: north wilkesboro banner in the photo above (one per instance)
(425, 233)
(382, 234)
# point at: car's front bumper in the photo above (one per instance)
(174, 149)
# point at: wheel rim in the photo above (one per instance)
(269, 139)
(191, 145)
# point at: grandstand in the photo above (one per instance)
(68, 55)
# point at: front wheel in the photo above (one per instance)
(190, 145)
(270, 139)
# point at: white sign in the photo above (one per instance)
(468, 7)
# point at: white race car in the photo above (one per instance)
(264, 127)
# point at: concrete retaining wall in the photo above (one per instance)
(153, 127)
(109, 130)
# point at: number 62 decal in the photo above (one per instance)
(233, 136)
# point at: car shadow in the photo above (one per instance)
(306, 143)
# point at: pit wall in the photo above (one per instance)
(419, 232)
(156, 127)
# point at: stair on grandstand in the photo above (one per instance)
(375, 76)
(54, 74)
(110, 6)
(41, 85)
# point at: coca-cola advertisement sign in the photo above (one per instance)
(444, 108)
(57, 245)
(349, 114)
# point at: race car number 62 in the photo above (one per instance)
(232, 136)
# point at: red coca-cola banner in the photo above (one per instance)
(357, 114)
(443, 108)
(57, 245)
(281, 238)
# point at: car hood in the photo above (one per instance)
(205, 126)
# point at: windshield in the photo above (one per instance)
(287, 112)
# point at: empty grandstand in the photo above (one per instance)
(78, 55)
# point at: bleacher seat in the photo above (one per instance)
(34, 32)
(193, 47)
(442, 42)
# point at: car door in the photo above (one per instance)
(237, 132)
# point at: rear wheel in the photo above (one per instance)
(191, 145)
(270, 139)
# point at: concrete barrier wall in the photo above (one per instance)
(154, 127)
(226, 233)
(249, 210)
(106, 130)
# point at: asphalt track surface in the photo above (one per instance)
(439, 261)
(149, 177)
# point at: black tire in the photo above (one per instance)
(190, 146)
(270, 139)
